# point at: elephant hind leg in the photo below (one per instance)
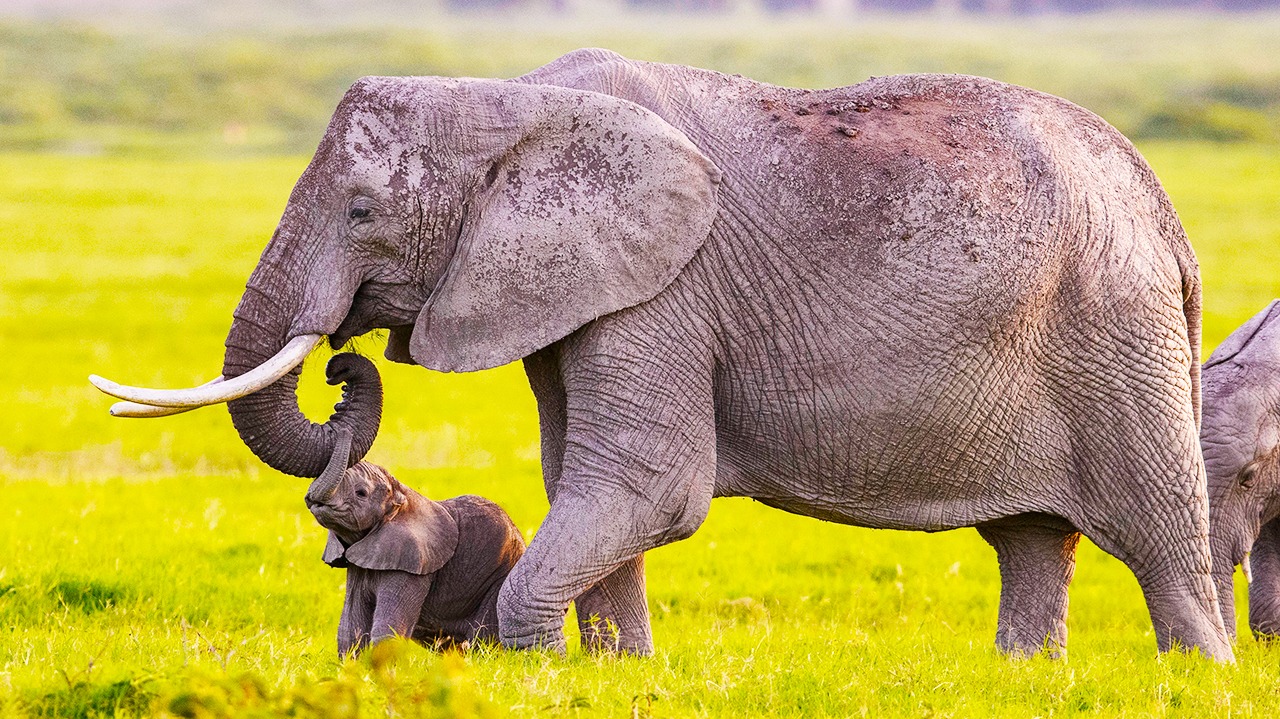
(1163, 538)
(613, 615)
(1037, 555)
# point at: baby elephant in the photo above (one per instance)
(415, 568)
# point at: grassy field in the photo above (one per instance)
(157, 566)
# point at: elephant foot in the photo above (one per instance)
(1184, 610)
(1037, 561)
(525, 624)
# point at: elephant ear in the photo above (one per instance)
(1237, 340)
(334, 551)
(589, 204)
(419, 539)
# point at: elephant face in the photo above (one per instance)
(1240, 437)
(375, 216)
(350, 501)
(375, 522)
(478, 220)
(363, 497)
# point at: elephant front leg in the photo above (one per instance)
(637, 472)
(1036, 564)
(614, 614)
(588, 535)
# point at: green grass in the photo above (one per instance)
(151, 565)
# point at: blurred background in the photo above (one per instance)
(240, 76)
(147, 148)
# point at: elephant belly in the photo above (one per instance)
(866, 445)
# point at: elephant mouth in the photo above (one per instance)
(326, 516)
(374, 306)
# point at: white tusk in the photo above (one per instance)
(133, 409)
(1246, 569)
(214, 393)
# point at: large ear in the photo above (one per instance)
(1237, 340)
(589, 204)
(419, 539)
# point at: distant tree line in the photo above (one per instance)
(842, 7)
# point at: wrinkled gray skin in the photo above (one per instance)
(415, 568)
(1241, 441)
(920, 302)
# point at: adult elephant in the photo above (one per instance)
(920, 302)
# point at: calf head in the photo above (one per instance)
(375, 522)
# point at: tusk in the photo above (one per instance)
(133, 409)
(1246, 568)
(216, 392)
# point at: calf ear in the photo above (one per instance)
(333, 551)
(419, 539)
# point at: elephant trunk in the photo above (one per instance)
(322, 490)
(1264, 587)
(1223, 584)
(269, 420)
(1227, 547)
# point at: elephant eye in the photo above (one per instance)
(1248, 474)
(360, 213)
(361, 493)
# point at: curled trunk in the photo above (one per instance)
(269, 421)
(322, 490)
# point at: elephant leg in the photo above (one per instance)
(1169, 556)
(638, 472)
(1163, 539)
(1137, 484)
(613, 614)
(591, 531)
(1264, 589)
(1037, 560)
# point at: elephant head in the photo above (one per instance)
(1240, 437)
(477, 220)
(375, 522)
